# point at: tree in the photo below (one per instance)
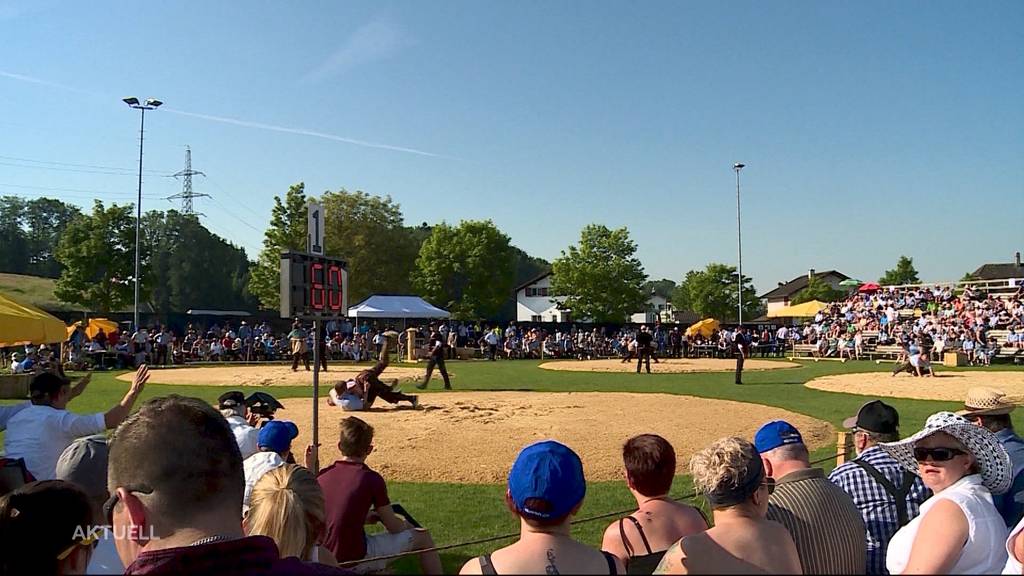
(903, 273)
(287, 231)
(711, 293)
(664, 288)
(601, 279)
(818, 289)
(968, 277)
(45, 220)
(97, 252)
(14, 256)
(369, 233)
(469, 269)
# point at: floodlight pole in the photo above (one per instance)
(150, 104)
(739, 241)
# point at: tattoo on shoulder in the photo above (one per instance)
(669, 561)
(551, 568)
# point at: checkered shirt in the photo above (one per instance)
(875, 504)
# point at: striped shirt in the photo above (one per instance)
(875, 504)
(825, 525)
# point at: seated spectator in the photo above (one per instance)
(990, 408)
(826, 527)
(731, 475)
(650, 463)
(545, 490)
(274, 450)
(351, 491)
(959, 530)
(179, 514)
(288, 506)
(84, 463)
(242, 422)
(48, 523)
(41, 432)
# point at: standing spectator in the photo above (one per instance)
(435, 352)
(241, 421)
(84, 463)
(188, 505)
(643, 348)
(545, 490)
(887, 495)
(288, 506)
(453, 339)
(351, 491)
(990, 409)
(659, 521)
(163, 345)
(959, 530)
(740, 348)
(41, 432)
(44, 529)
(731, 475)
(275, 447)
(491, 339)
(297, 337)
(827, 528)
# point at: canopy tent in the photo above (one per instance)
(94, 326)
(705, 327)
(805, 310)
(26, 324)
(869, 288)
(379, 306)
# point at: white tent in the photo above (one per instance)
(378, 306)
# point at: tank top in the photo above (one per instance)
(646, 563)
(487, 567)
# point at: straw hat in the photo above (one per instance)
(993, 461)
(983, 401)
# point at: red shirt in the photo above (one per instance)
(351, 489)
(251, 556)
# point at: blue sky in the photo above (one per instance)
(869, 129)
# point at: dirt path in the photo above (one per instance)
(946, 385)
(667, 365)
(473, 437)
(270, 375)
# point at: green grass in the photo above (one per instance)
(463, 512)
(34, 290)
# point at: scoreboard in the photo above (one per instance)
(313, 286)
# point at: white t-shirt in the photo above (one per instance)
(39, 434)
(7, 412)
(246, 436)
(984, 552)
(255, 467)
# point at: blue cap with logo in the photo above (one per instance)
(277, 435)
(551, 472)
(776, 433)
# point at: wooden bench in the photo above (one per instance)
(888, 351)
(799, 350)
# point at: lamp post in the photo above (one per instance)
(739, 241)
(149, 104)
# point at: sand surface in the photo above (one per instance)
(667, 365)
(473, 437)
(945, 385)
(272, 375)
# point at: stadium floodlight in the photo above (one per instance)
(739, 243)
(151, 104)
(131, 101)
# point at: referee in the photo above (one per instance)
(740, 347)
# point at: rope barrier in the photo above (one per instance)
(488, 539)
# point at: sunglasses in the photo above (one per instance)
(940, 454)
(108, 506)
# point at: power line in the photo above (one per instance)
(54, 162)
(57, 169)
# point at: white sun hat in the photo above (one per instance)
(993, 461)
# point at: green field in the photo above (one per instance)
(34, 290)
(458, 512)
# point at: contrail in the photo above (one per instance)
(237, 122)
(304, 132)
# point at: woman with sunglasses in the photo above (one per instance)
(45, 528)
(959, 530)
(730, 474)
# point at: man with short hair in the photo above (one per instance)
(827, 528)
(990, 408)
(643, 348)
(741, 349)
(275, 448)
(39, 433)
(175, 476)
(242, 422)
(887, 496)
(299, 347)
(435, 351)
(351, 492)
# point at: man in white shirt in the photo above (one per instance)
(39, 433)
(232, 407)
(275, 446)
(8, 412)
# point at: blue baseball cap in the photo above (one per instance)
(776, 433)
(549, 471)
(277, 435)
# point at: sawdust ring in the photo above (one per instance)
(945, 385)
(668, 365)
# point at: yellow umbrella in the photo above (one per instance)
(805, 310)
(94, 327)
(705, 327)
(26, 324)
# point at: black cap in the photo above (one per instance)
(875, 416)
(262, 399)
(231, 399)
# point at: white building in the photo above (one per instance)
(535, 304)
(658, 309)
